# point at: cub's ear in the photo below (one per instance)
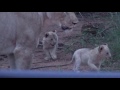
(105, 44)
(55, 31)
(46, 35)
(100, 48)
(49, 14)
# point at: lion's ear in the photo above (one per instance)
(105, 44)
(55, 31)
(100, 48)
(46, 35)
(49, 14)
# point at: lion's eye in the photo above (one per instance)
(107, 53)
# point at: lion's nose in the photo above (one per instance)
(110, 57)
(74, 23)
(65, 27)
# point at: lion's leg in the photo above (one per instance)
(99, 66)
(77, 63)
(23, 58)
(92, 65)
(47, 54)
(12, 61)
(53, 53)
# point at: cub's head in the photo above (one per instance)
(104, 51)
(51, 37)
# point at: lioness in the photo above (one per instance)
(19, 34)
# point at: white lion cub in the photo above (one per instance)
(50, 45)
(92, 57)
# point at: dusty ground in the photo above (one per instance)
(62, 56)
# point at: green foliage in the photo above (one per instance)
(110, 36)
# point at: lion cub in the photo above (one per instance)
(92, 57)
(50, 45)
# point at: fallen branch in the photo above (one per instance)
(50, 66)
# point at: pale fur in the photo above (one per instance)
(92, 57)
(50, 45)
(19, 33)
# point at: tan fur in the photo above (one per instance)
(19, 33)
(50, 45)
(66, 20)
(92, 57)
